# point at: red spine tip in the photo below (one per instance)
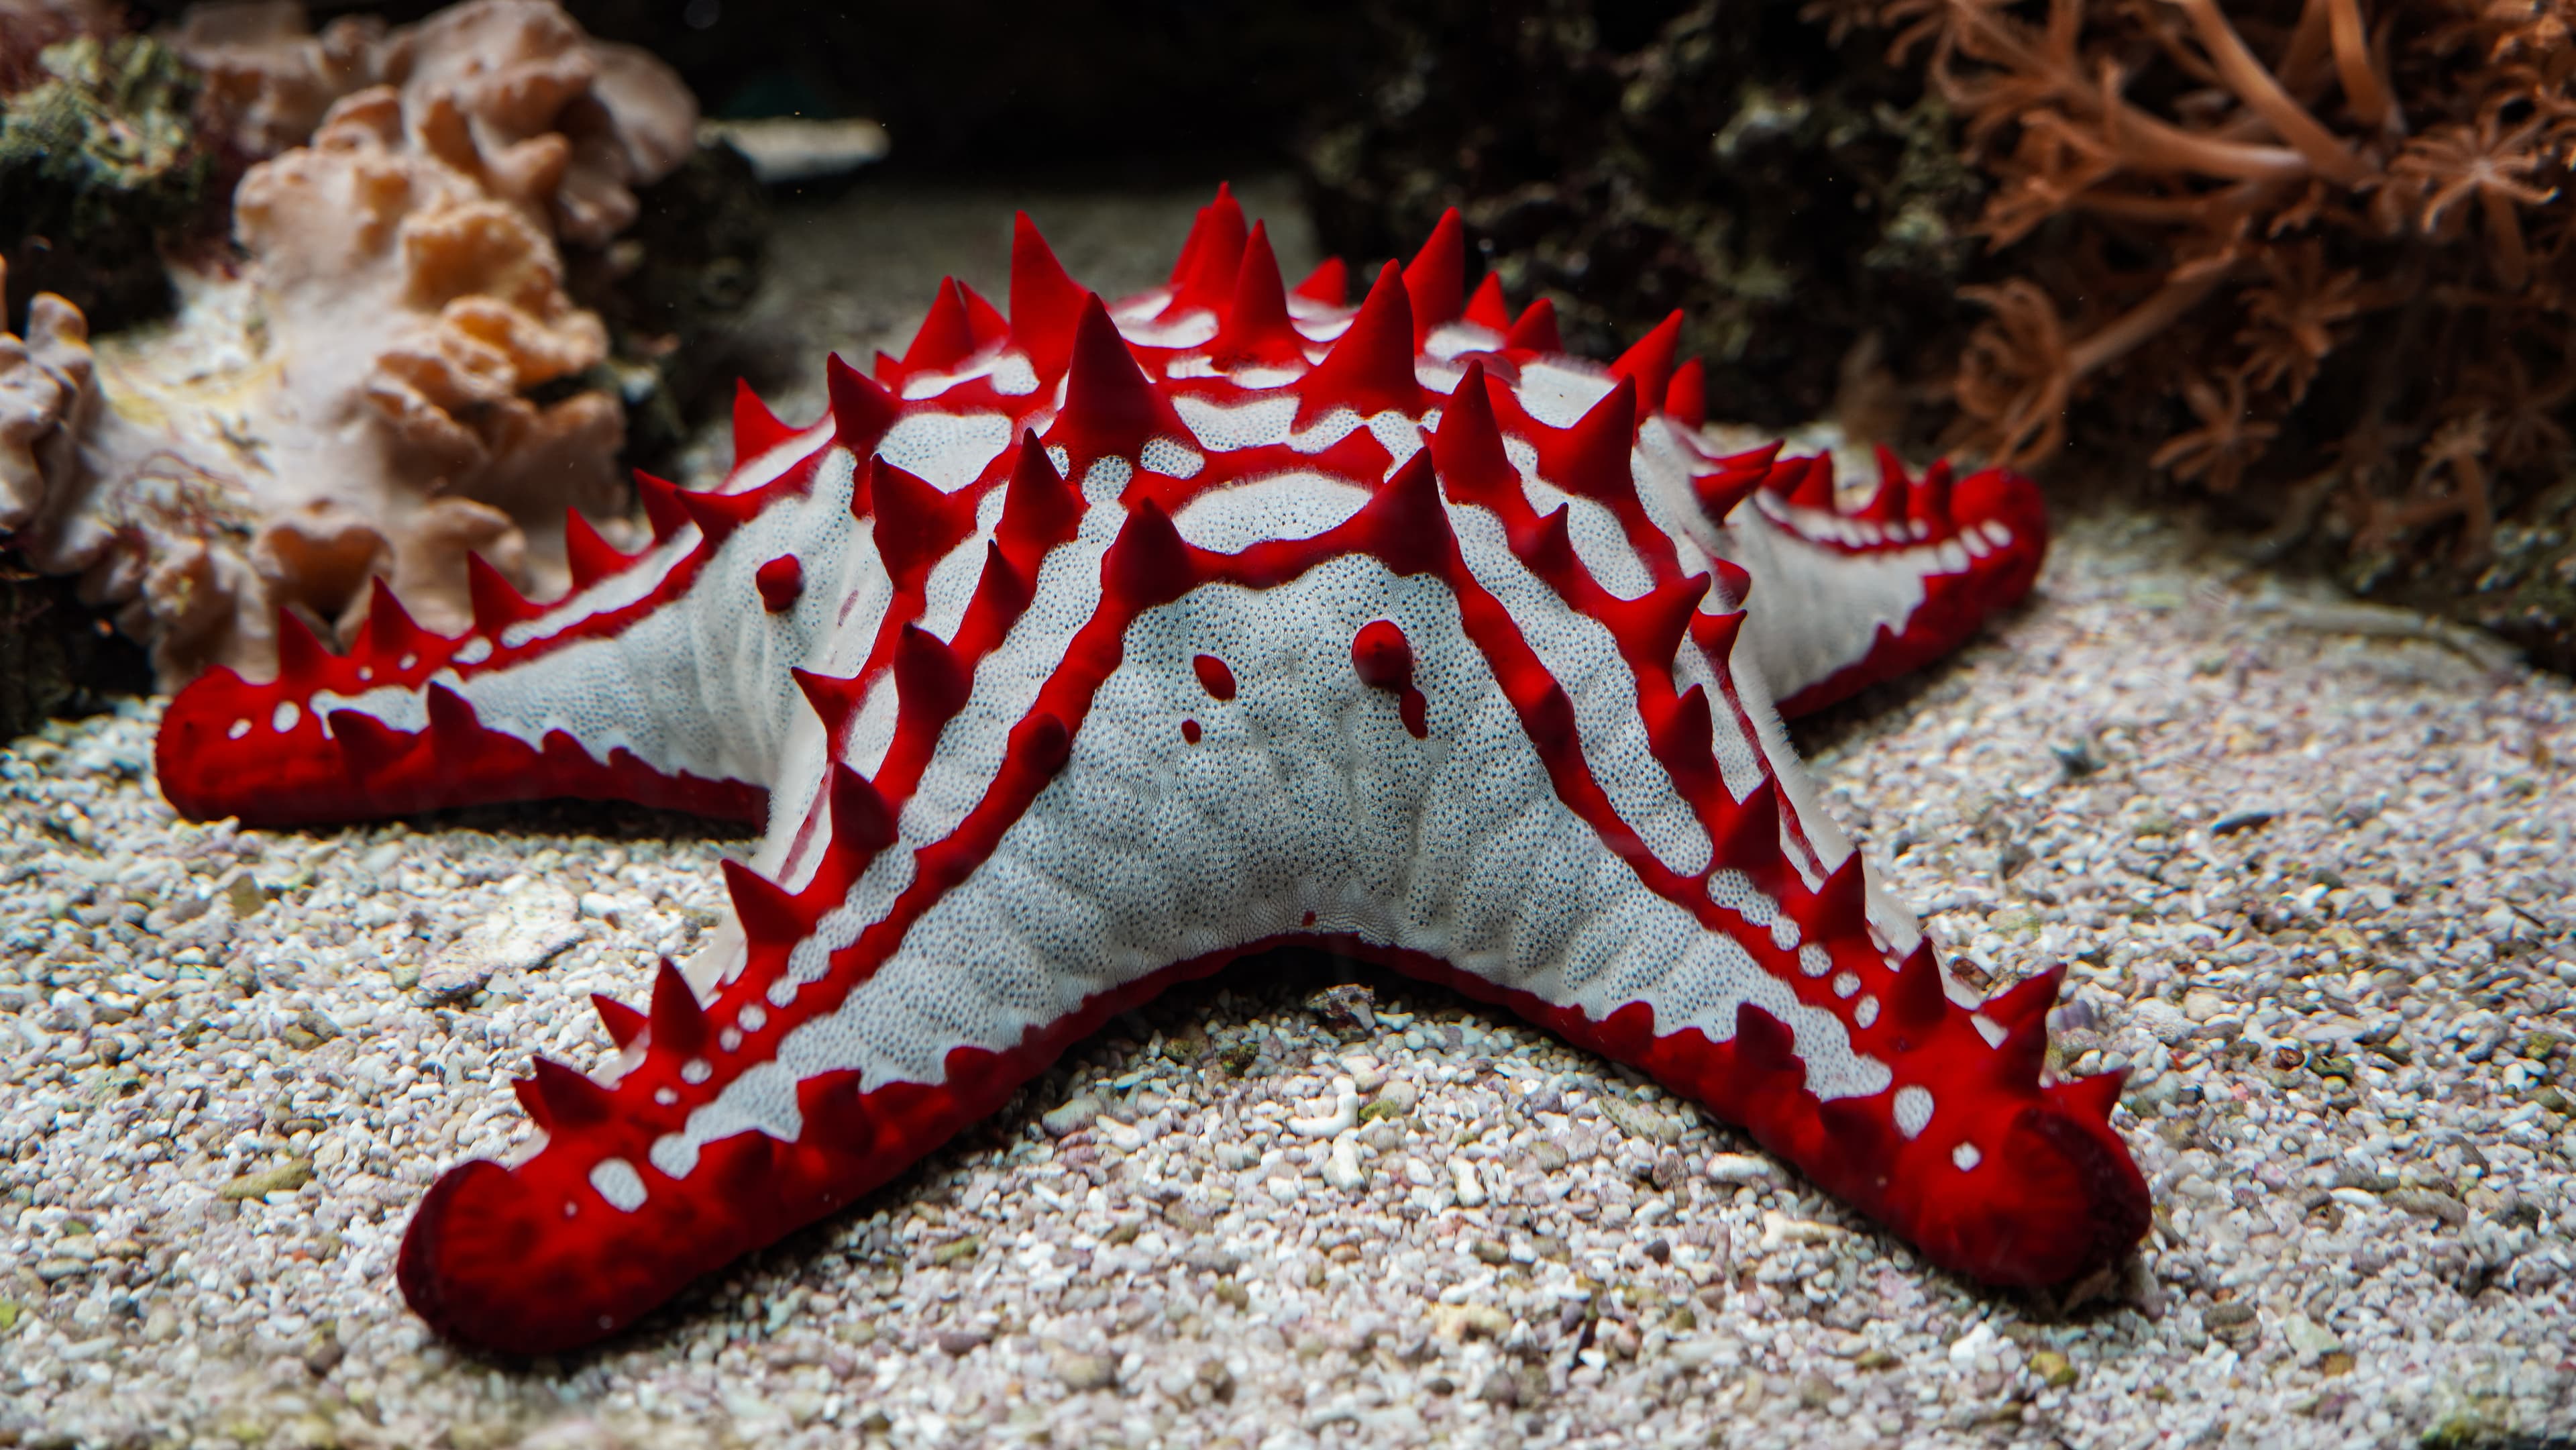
(301, 659)
(1045, 302)
(1329, 283)
(1468, 445)
(2027, 1000)
(586, 554)
(756, 430)
(946, 337)
(679, 1023)
(562, 1099)
(768, 911)
(624, 1023)
(834, 699)
(1686, 397)
(496, 602)
(1256, 324)
(1148, 563)
(1436, 279)
(1650, 360)
(862, 411)
(1486, 308)
(1370, 369)
(1535, 329)
(661, 499)
(862, 821)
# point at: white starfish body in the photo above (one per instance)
(1091, 650)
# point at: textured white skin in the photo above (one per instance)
(1305, 794)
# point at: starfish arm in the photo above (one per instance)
(1854, 597)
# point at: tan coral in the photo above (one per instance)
(354, 398)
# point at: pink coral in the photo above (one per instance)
(352, 399)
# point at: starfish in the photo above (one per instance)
(1080, 652)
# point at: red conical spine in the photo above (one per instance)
(1045, 303)
(497, 603)
(1686, 398)
(1535, 329)
(1591, 458)
(769, 913)
(1370, 369)
(586, 554)
(623, 1023)
(301, 659)
(1110, 409)
(1204, 277)
(661, 500)
(389, 633)
(916, 524)
(561, 1099)
(1039, 509)
(1256, 327)
(1486, 308)
(756, 430)
(930, 681)
(1468, 445)
(862, 411)
(862, 822)
(1436, 279)
(946, 338)
(1329, 283)
(1650, 361)
(679, 1024)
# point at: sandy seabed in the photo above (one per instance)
(2309, 864)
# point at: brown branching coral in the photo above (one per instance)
(2328, 240)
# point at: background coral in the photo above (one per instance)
(2322, 244)
(1807, 214)
(393, 375)
(101, 166)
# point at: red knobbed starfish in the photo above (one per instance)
(1082, 651)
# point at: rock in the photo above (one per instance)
(1349, 1008)
(535, 923)
(1083, 1373)
(2309, 1340)
(956, 1250)
(1639, 1121)
(1342, 1168)
(2162, 1020)
(1074, 1114)
(1738, 1168)
(2052, 1369)
(2234, 1322)
(2431, 1203)
(1470, 1321)
(956, 1343)
(1213, 1261)
(2200, 1004)
(292, 1174)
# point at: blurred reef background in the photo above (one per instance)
(2300, 266)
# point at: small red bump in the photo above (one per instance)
(1190, 730)
(1214, 677)
(1383, 656)
(1384, 659)
(1310, 919)
(780, 581)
